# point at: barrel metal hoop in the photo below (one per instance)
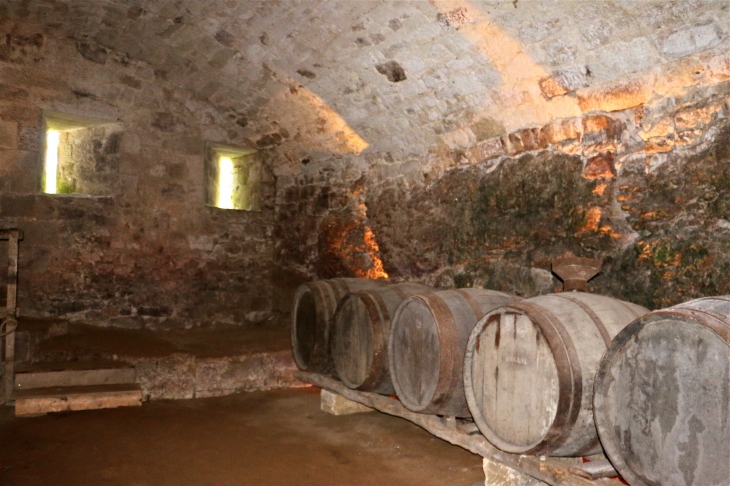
(570, 379)
(326, 295)
(594, 317)
(339, 288)
(630, 309)
(718, 323)
(295, 342)
(320, 355)
(335, 340)
(475, 308)
(448, 348)
(602, 379)
(399, 292)
(590, 449)
(379, 317)
(723, 298)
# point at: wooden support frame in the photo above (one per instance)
(551, 470)
(8, 315)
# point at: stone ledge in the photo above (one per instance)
(170, 365)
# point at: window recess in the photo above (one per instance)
(81, 155)
(233, 177)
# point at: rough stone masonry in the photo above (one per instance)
(460, 143)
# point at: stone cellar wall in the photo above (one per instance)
(646, 195)
(457, 143)
(141, 249)
(600, 130)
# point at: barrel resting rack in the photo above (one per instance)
(551, 470)
(8, 324)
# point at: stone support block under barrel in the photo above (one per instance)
(496, 474)
(335, 404)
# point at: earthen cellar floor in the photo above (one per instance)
(260, 438)
(204, 342)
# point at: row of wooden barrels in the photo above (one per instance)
(560, 374)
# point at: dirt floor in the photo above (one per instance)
(260, 438)
(203, 342)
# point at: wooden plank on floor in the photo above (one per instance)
(62, 399)
(46, 379)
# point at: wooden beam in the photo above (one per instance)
(5, 233)
(14, 235)
(61, 399)
(8, 328)
(601, 468)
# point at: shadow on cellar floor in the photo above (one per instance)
(260, 438)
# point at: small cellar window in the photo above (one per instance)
(234, 177)
(81, 155)
(53, 138)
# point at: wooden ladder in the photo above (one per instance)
(8, 324)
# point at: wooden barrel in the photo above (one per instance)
(529, 369)
(315, 304)
(662, 396)
(427, 343)
(360, 336)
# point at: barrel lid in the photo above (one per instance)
(304, 328)
(512, 380)
(414, 351)
(353, 341)
(661, 400)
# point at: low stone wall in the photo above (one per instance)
(165, 367)
(185, 376)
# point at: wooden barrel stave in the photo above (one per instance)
(529, 370)
(315, 304)
(360, 336)
(662, 396)
(427, 343)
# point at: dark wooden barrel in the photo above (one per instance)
(529, 369)
(315, 304)
(360, 336)
(662, 396)
(427, 343)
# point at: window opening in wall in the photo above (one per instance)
(81, 155)
(234, 177)
(53, 138)
(226, 182)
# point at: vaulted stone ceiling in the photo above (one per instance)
(378, 79)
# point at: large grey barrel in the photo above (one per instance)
(529, 369)
(662, 396)
(427, 343)
(360, 336)
(315, 304)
